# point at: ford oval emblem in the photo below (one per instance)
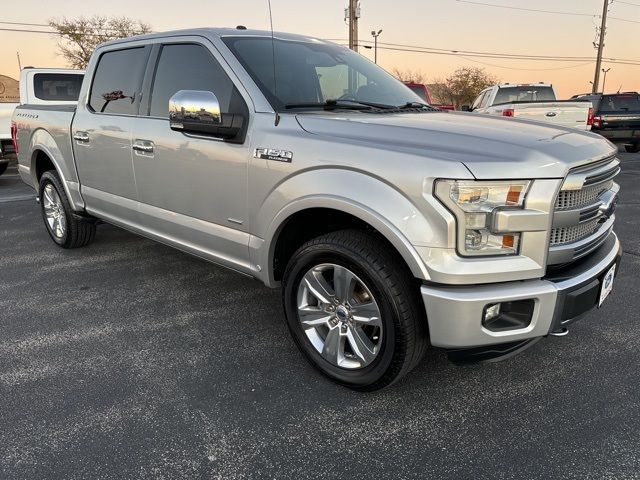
(551, 114)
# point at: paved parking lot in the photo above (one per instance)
(128, 359)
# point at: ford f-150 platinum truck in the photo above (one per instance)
(536, 101)
(388, 224)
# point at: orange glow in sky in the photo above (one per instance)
(443, 24)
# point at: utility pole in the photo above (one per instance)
(603, 31)
(604, 80)
(352, 14)
(375, 36)
(19, 64)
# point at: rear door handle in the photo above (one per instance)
(81, 137)
(143, 146)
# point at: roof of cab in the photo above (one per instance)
(216, 32)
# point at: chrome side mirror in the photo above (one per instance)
(197, 111)
(194, 107)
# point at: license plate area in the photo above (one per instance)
(606, 285)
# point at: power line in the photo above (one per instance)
(526, 69)
(506, 56)
(555, 12)
(527, 9)
(628, 3)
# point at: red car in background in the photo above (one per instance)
(423, 92)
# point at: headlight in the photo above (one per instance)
(474, 204)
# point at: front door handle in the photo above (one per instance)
(81, 137)
(143, 146)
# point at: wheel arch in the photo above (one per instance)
(46, 155)
(341, 213)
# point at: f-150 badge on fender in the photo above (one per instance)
(274, 154)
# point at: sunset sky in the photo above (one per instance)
(443, 24)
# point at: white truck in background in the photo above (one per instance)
(533, 101)
(38, 86)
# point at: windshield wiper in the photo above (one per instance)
(333, 104)
(415, 105)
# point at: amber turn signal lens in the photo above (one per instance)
(508, 241)
(513, 197)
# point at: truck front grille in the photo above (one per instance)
(583, 216)
(568, 199)
(562, 235)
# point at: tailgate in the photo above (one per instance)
(572, 114)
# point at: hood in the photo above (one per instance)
(490, 147)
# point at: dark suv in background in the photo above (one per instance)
(616, 116)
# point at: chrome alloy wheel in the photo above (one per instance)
(54, 211)
(339, 316)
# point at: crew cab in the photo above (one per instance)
(388, 225)
(38, 86)
(535, 101)
(616, 117)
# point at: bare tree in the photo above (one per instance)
(80, 36)
(464, 85)
(409, 75)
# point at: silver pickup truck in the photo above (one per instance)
(388, 224)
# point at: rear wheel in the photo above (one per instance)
(353, 310)
(65, 229)
(633, 148)
(3, 167)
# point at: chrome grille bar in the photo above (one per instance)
(583, 216)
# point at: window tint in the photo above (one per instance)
(625, 102)
(189, 67)
(117, 81)
(61, 87)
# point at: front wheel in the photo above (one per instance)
(353, 309)
(65, 229)
(633, 148)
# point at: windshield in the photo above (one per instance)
(620, 103)
(420, 91)
(312, 73)
(524, 93)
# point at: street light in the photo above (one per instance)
(375, 36)
(604, 81)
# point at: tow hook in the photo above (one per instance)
(560, 333)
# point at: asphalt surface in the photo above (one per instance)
(128, 359)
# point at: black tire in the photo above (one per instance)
(402, 313)
(633, 148)
(3, 167)
(78, 232)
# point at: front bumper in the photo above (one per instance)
(455, 313)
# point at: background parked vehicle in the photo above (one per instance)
(616, 117)
(38, 86)
(423, 92)
(536, 101)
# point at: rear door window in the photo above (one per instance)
(117, 81)
(57, 87)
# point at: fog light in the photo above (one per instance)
(491, 312)
(500, 317)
